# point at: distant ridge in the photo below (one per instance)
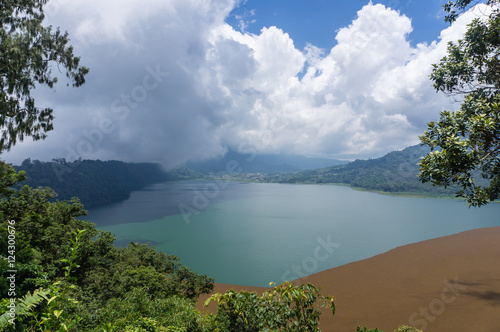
(263, 163)
(396, 172)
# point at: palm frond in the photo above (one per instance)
(25, 305)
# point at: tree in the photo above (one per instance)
(282, 308)
(465, 145)
(28, 51)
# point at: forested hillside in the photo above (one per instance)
(96, 182)
(395, 172)
(91, 284)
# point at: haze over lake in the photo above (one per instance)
(256, 233)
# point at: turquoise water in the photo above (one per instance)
(254, 233)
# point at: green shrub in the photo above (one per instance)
(365, 329)
(283, 308)
(138, 309)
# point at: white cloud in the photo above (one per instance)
(175, 82)
(371, 93)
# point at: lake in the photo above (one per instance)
(256, 233)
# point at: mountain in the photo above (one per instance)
(96, 182)
(264, 163)
(395, 172)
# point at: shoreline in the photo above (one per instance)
(411, 194)
(418, 194)
(450, 283)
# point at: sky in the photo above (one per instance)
(178, 80)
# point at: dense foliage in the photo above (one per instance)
(396, 172)
(102, 276)
(28, 51)
(96, 182)
(282, 308)
(465, 145)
